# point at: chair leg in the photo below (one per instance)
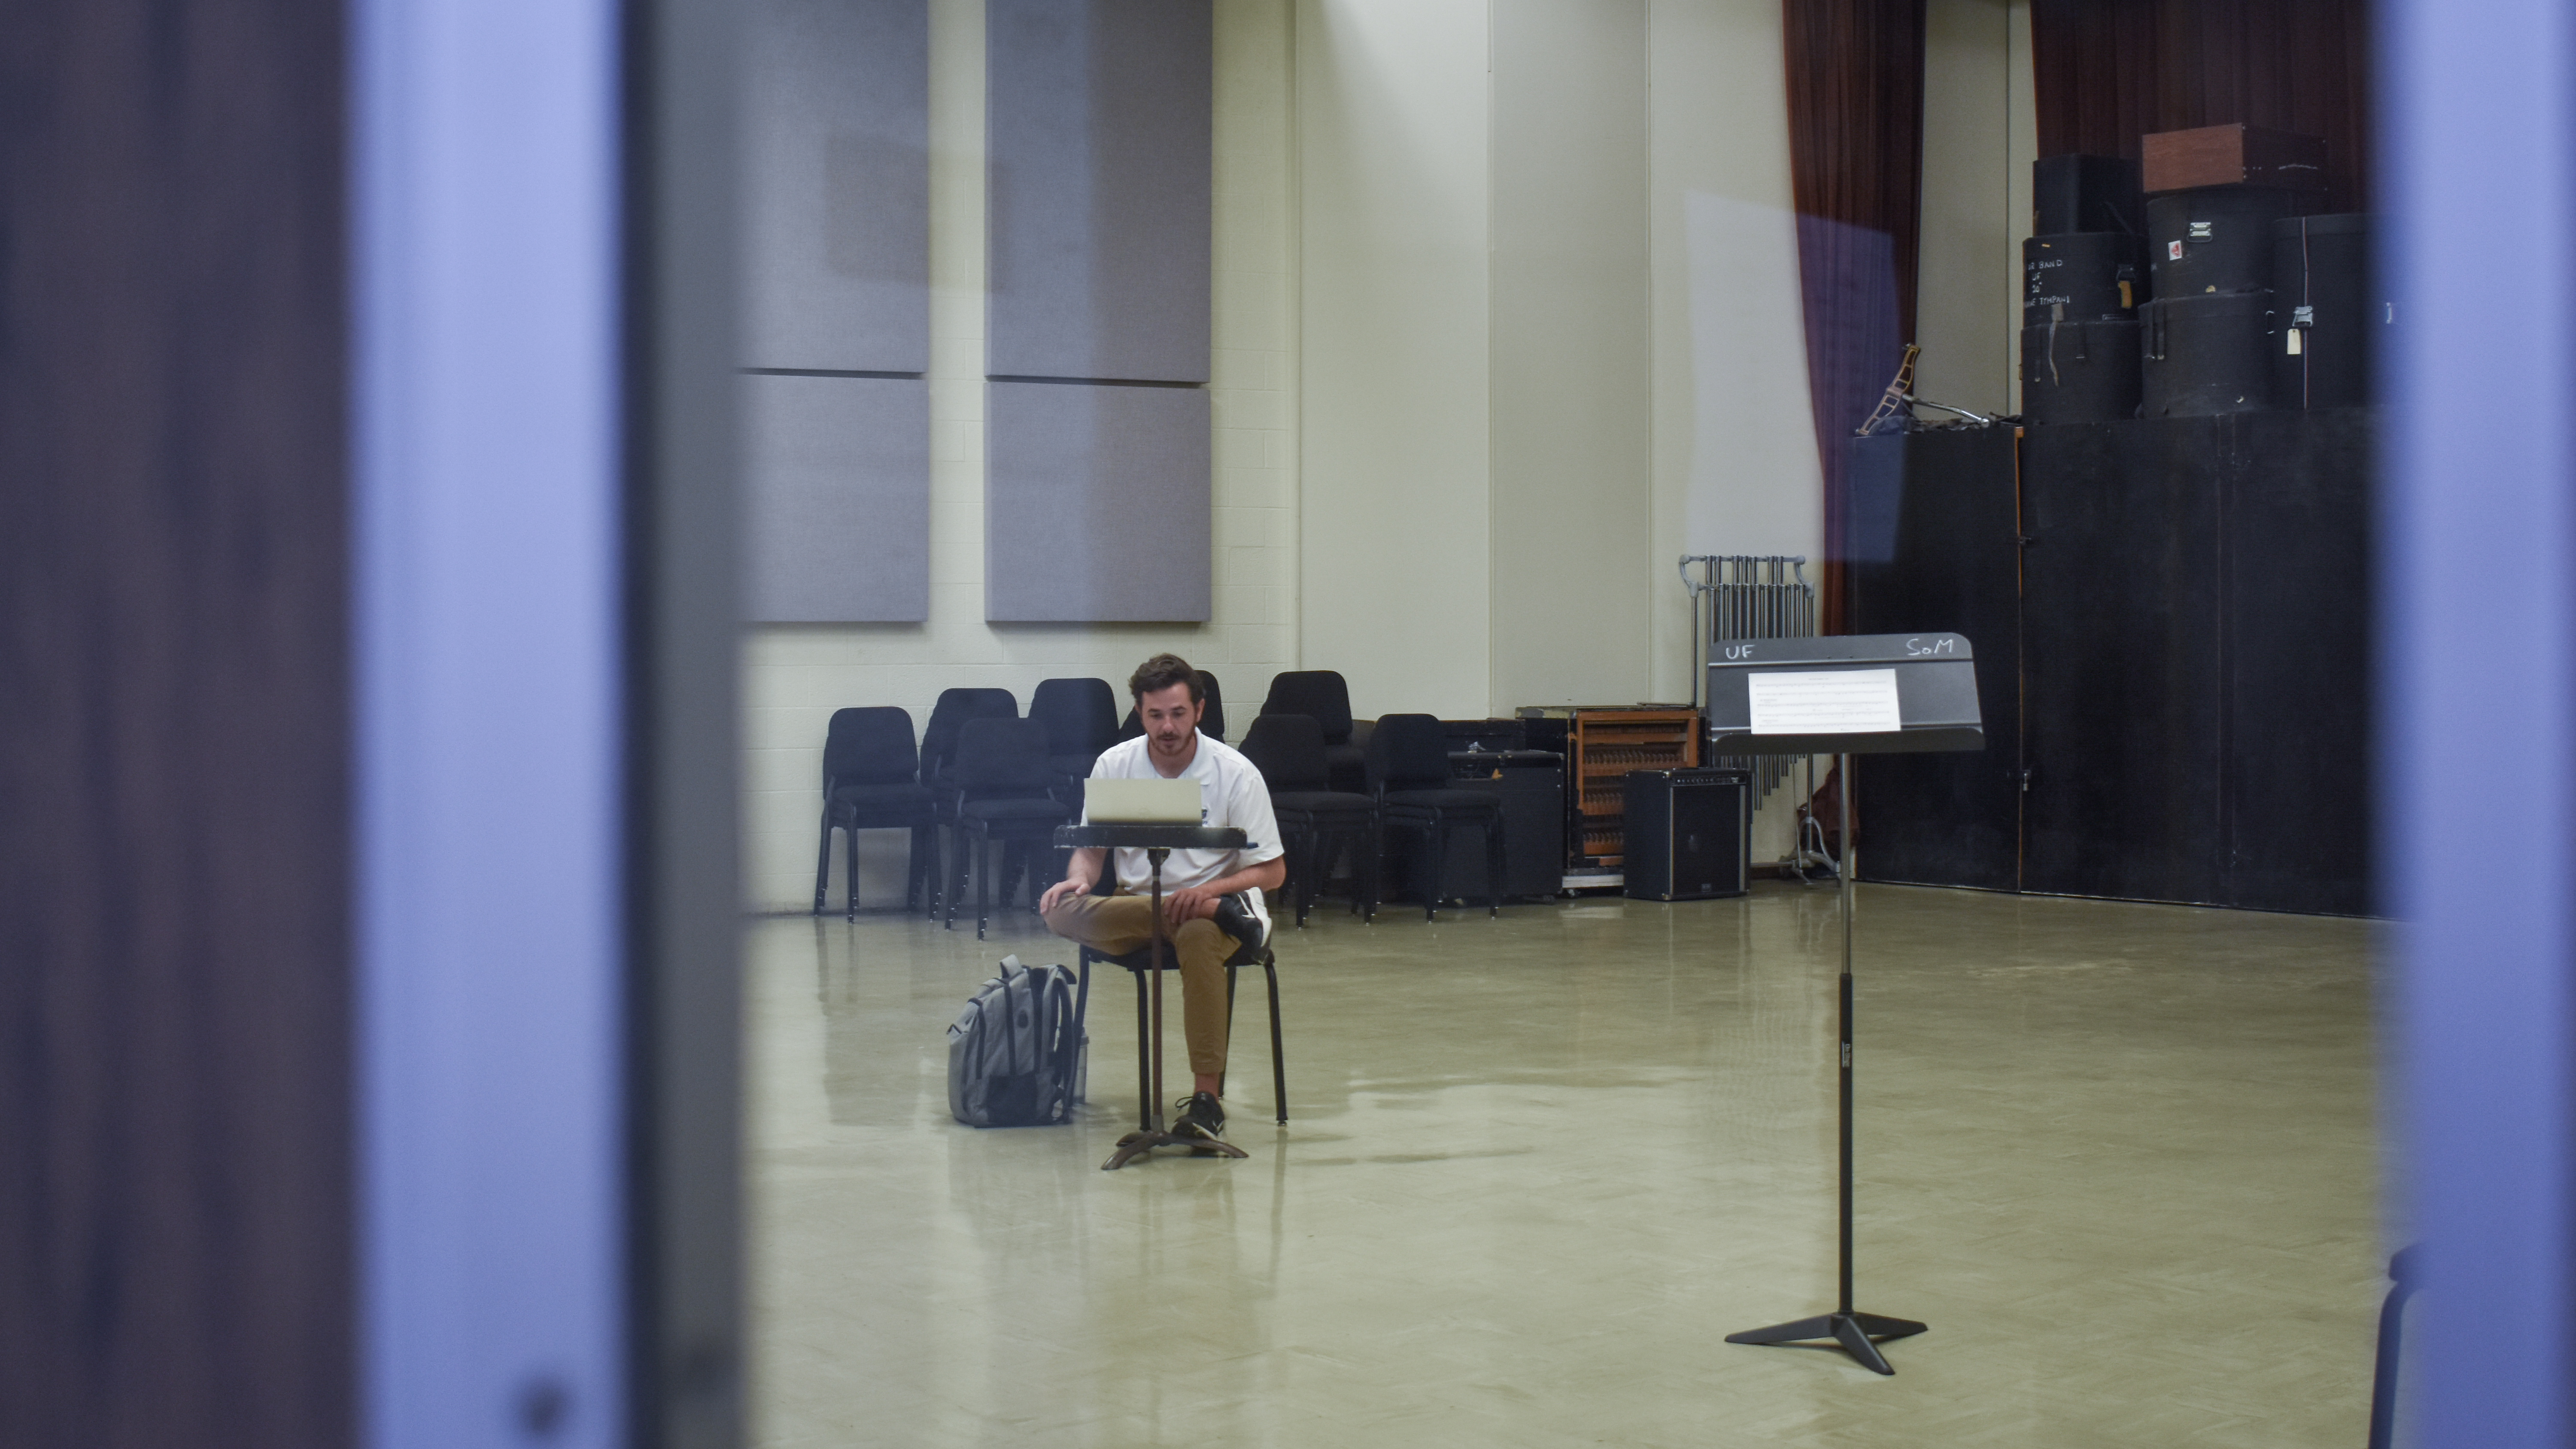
(1494, 866)
(1376, 872)
(915, 877)
(823, 864)
(984, 880)
(1437, 885)
(944, 889)
(850, 866)
(1278, 1059)
(1318, 860)
(951, 872)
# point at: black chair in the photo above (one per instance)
(1325, 697)
(1315, 821)
(1250, 950)
(1081, 717)
(1002, 797)
(948, 716)
(869, 784)
(1408, 771)
(1211, 721)
(939, 742)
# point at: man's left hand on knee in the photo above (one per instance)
(1190, 903)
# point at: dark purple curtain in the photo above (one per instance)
(1855, 70)
(2106, 72)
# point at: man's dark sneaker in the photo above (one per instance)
(1201, 1116)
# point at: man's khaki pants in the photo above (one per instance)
(1120, 924)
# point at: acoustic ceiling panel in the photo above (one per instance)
(1096, 503)
(838, 497)
(836, 176)
(1098, 144)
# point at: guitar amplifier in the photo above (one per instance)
(1689, 834)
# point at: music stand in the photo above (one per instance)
(1157, 841)
(1929, 694)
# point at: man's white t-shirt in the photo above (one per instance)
(1231, 792)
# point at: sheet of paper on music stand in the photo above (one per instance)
(1824, 702)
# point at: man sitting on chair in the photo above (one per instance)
(1169, 700)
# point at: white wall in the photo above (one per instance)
(795, 676)
(1395, 484)
(1570, 296)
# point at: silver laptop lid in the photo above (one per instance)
(1155, 802)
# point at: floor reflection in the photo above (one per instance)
(2120, 1157)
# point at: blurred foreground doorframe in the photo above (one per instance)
(545, 622)
(2478, 580)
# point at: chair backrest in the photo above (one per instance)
(1288, 750)
(870, 746)
(1001, 758)
(950, 714)
(1212, 722)
(1211, 719)
(1320, 694)
(1408, 752)
(1081, 715)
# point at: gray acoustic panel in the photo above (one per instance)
(1096, 503)
(836, 177)
(837, 488)
(1098, 147)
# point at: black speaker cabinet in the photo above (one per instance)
(2213, 239)
(2207, 355)
(1688, 834)
(2331, 312)
(2081, 276)
(2079, 372)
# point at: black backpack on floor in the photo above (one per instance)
(1013, 1051)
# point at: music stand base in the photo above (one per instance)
(1857, 1334)
(1137, 1144)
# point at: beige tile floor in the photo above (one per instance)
(2122, 1158)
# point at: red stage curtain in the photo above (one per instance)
(1855, 70)
(2106, 72)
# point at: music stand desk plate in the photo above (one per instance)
(1936, 688)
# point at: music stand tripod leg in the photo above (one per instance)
(1857, 1333)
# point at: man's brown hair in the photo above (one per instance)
(1162, 672)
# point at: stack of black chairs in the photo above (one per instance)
(1004, 792)
(1317, 823)
(948, 719)
(984, 777)
(1408, 772)
(1081, 717)
(1323, 696)
(871, 782)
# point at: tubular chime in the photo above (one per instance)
(1747, 596)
